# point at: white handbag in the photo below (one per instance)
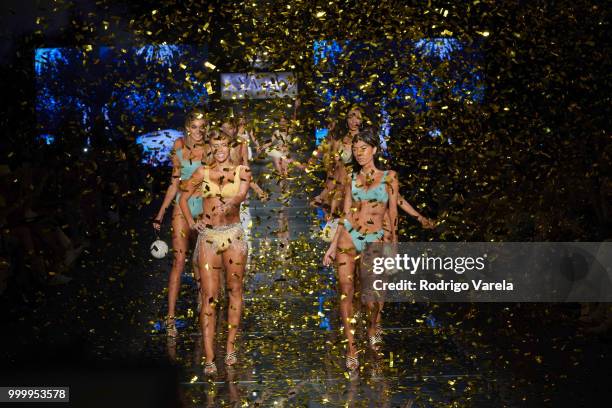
(329, 230)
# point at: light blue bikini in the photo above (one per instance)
(187, 169)
(376, 194)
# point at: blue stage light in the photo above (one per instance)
(419, 89)
(320, 134)
(48, 139)
(438, 47)
(127, 89)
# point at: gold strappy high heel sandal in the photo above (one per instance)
(379, 330)
(231, 358)
(375, 341)
(210, 368)
(352, 363)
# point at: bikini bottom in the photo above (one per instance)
(221, 238)
(195, 205)
(361, 240)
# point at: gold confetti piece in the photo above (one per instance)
(209, 88)
(209, 65)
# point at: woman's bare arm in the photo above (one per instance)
(347, 204)
(244, 153)
(410, 210)
(174, 184)
(254, 139)
(393, 187)
(192, 185)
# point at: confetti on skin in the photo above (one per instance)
(495, 139)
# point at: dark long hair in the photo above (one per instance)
(369, 136)
(367, 119)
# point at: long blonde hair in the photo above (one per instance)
(196, 114)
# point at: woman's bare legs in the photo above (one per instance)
(346, 271)
(284, 163)
(198, 279)
(211, 264)
(358, 305)
(374, 309)
(180, 245)
(277, 166)
(373, 316)
(378, 320)
(234, 260)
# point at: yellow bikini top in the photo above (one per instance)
(211, 189)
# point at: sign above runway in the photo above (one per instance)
(258, 85)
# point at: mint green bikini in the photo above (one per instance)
(187, 169)
(376, 194)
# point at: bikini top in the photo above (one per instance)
(211, 189)
(187, 166)
(346, 155)
(244, 135)
(378, 193)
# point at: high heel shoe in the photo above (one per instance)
(171, 330)
(375, 341)
(210, 368)
(352, 363)
(231, 358)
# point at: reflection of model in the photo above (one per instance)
(369, 198)
(188, 154)
(221, 245)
